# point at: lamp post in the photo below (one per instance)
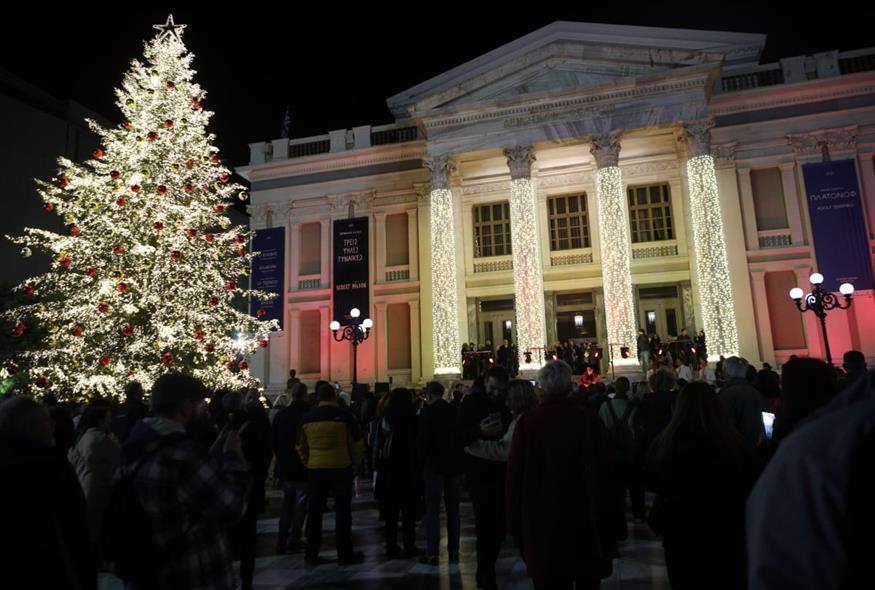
(356, 332)
(820, 302)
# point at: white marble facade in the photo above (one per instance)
(667, 97)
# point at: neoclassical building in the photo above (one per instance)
(581, 182)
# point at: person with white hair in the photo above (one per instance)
(560, 489)
(742, 402)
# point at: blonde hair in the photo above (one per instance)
(521, 396)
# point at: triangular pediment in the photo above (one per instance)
(564, 56)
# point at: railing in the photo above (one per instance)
(749, 80)
(569, 259)
(398, 135)
(775, 239)
(398, 273)
(494, 265)
(311, 148)
(308, 284)
(654, 252)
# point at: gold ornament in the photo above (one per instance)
(117, 275)
(242, 196)
(54, 328)
(26, 252)
(157, 345)
(224, 222)
(148, 264)
(53, 341)
(69, 219)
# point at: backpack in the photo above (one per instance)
(621, 434)
(126, 535)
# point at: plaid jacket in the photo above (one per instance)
(191, 500)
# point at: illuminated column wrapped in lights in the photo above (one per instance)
(712, 268)
(444, 306)
(531, 326)
(614, 242)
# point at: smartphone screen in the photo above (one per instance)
(768, 423)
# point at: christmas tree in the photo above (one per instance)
(144, 280)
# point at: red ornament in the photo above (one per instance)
(167, 358)
(28, 290)
(215, 159)
(20, 329)
(230, 366)
(189, 164)
(224, 178)
(214, 301)
(243, 365)
(104, 361)
(191, 232)
(196, 104)
(12, 368)
(261, 312)
(91, 272)
(219, 209)
(118, 249)
(187, 188)
(158, 226)
(152, 136)
(170, 86)
(128, 125)
(135, 188)
(115, 174)
(176, 255)
(97, 153)
(231, 285)
(199, 335)
(42, 381)
(103, 307)
(168, 123)
(209, 237)
(210, 347)
(122, 287)
(74, 230)
(240, 239)
(76, 331)
(241, 251)
(121, 201)
(162, 190)
(48, 207)
(65, 261)
(63, 181)
(263, 342)
(128, 330)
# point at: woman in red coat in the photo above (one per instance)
(560, 498)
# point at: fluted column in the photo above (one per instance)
(531, 335)
(709, 243)
(615, 247)
(444, 303)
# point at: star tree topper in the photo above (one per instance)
(170, 28)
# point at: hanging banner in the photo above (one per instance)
(268, 271)
(838, 224)
(351, 287)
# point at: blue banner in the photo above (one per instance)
(268, 271)
(351, 272)
(837, 222)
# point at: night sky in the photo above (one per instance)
(335, 66)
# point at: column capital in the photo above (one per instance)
(519, 160)
(697, 135)
(605, 148)
(724, 155)
(440, 167)
(423, 193)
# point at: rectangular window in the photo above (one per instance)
(569, 223)
(768, 199)
(650, 213)
(491, 230)
(397, 245)
(310, 249)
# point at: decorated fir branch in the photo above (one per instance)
(144, 277)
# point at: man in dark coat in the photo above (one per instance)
(42, 507)
(742, 402)
(560, 489)
(441, 456)
(486, 478)
(290, 470)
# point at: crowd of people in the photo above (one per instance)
(547, 463)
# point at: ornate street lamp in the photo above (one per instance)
(820, 302)
(356, 332)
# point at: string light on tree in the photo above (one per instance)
(130, 294)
